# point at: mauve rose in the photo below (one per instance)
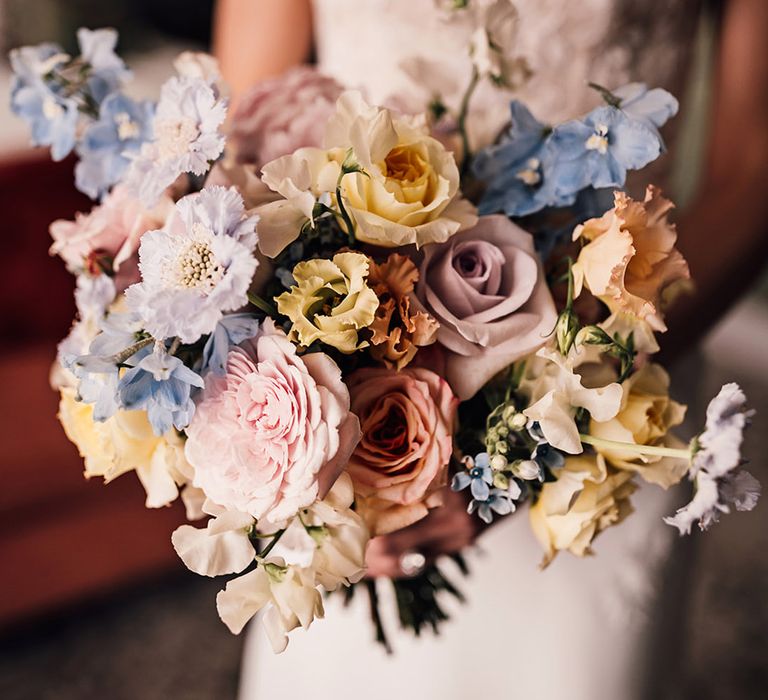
(281, 115)
(272, 435)
(108, 235)
(400, 465)
(486, 288)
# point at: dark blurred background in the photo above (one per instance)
(93, 601)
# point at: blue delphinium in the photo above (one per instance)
(122, 127)
(517, 169)
(597, 151)
(652, 107)
(52, 115)
(230, 330)
(160, 384)
(105, 71)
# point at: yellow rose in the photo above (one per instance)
(645, 417)
(123, 443)
(407, 194)
(586, 498)
(630, 258)
(331, 302)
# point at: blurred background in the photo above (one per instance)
(93, 600)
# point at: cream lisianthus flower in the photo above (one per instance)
(123, 443)
(407, 192)
(331, 302)
(645, 418)
(556, 387)
(585, 499)
(630, 257)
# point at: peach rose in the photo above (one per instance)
(400, 464)
(630, 257)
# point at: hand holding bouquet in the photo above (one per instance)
(310, 335)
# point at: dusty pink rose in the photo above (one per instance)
(486, 288)
(272, 435)
(107, 238)
(400, 465)
(281, 115)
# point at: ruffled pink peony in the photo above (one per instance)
(400, 465)
(273, 434)
(280, 115)
(107, 238)
(486, 288)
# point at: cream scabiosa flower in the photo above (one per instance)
(186, 137)
(197, 267)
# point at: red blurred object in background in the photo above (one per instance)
(62, 538)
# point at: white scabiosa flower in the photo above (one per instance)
(719, 483)
(186, 137)
(197, 267)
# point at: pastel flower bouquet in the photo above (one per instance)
(313, 317)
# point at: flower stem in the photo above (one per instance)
(129, 352)
(653, 450)
(275, 539)
(345, 214)
(461, 120)
(262, 304)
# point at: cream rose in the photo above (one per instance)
(585, 499)
(408, 193)
(645, 418)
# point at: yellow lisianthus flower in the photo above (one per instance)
(331, 302)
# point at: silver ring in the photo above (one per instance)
(412, 563)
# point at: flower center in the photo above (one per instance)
(531, 174)
(52, 109)
(126, 128)
(175, 136)
(197, 268)
(599, 140)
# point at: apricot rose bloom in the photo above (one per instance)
(630, 257)
(585, 499)
(330, 302)
(400, 465)
(407, 194)
(271, 436)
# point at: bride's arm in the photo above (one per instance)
(725, 234)
(257, 39)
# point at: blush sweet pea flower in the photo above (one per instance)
(401, 463)
(271, 436)
(486, 289)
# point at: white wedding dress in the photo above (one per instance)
(584, 629)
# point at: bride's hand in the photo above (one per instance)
(445, 530)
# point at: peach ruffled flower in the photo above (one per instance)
(630, 257)
(398, 330)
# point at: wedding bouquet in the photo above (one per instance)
(312, 318)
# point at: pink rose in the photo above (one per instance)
(400, 465)
(107, 238)
(273, 434)
(281, 115)
(486, 288)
